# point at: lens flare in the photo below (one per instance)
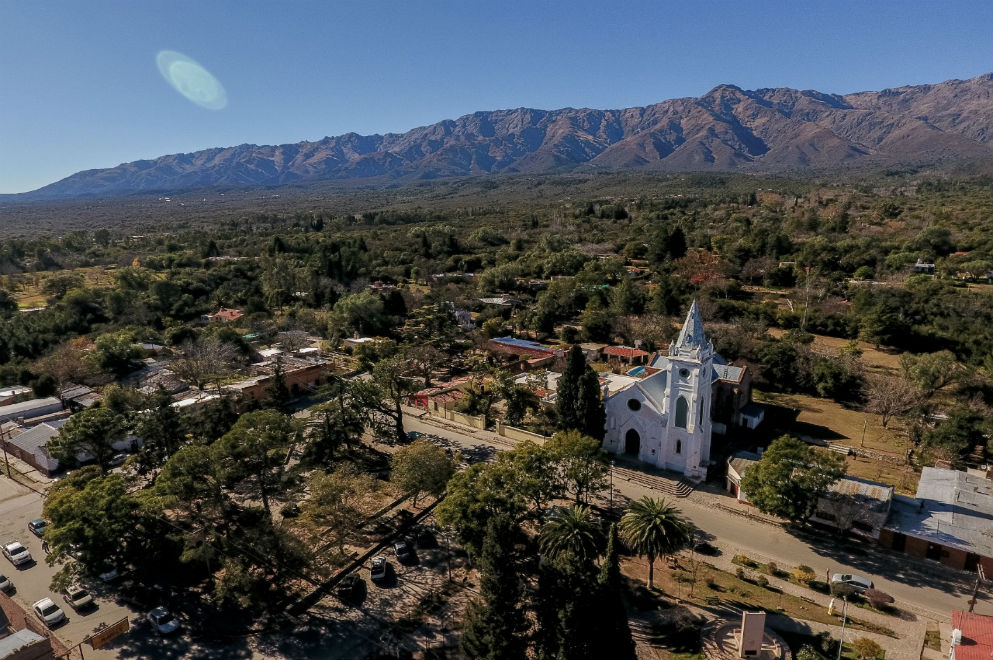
(191, 80)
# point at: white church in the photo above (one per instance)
(664, 418)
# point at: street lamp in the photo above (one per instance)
(844, 617)
(611, 484)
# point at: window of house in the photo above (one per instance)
(682, 412)
(679, 446)
(634, 404)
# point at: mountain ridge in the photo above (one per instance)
(726, 129)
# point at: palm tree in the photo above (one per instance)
(572, 531)
(654, 528)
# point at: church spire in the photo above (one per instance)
(692, 333)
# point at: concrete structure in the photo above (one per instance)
(664, 419)
(950, 520)
(27, 410)
(723, 639)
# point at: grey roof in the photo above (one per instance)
(742, 459)
(38, 436)
(752, 410)
(692, 332)
(654, 388)
(728, 372)
(862, 489)
(24, 408)
(957, 511)
(19, 640)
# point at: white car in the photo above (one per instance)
(16, 553)
(50, 613)
(163, 620)
(856, 582)
(6, 585)
(77, 597)
(378, 569)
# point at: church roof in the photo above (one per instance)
(692, 332)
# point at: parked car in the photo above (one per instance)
(50, 613)
(378, 567)
(414, 435)
(37, 527)
(110, 576)
(117, 459)
(349, 588)
(403, 550)
(856, 582)
(163, 620)
(704, 548)
(16, 553)
(78, 598)
(6, 585)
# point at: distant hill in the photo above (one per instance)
(771, 130)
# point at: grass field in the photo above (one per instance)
(879, 361)
(27, 287)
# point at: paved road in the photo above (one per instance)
(930, 590)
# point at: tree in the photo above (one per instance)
(161, 431)
(422, 360)
(203, 361)
(891, 397)
(614, 640)
(253, 453)
(791, 478)
(929, 372)
(495, 624)
(277, 394)
(91, 432)
(115, 353)
(362, 313)
(578, 400)
(383, 396)
(67, 363)
(653, 528)
(580, 461)
(333, 505)
(421, 467)
(572, 534)
(867, 649)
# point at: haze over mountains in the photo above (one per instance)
(726, 129)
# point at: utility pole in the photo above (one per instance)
(611, 484)
(844, 617)
(3, 444)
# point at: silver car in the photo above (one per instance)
(50, 613)
(16, 553)
(856, 582)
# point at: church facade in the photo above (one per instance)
(664, 419)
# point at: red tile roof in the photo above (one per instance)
(624, 351)
(227, 314)
(977, 635)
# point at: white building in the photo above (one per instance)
(664, 419)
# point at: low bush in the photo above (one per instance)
(762, 581)
(867, 649)
(744, 560)
(803, 574)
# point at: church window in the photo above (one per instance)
(682, 412)
(701, 411)
(634, 404)
(684, 374)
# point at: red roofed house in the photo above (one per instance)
(625, 354)
(972, 636)
(224, 315)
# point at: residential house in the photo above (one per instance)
(950, 520)
(223, 315)
(28, 410)
(29, 446)
(625, 355)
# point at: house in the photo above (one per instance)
(10, 393)
(922, 267)
(299, 375)
(625, 355)
(593, 351)
(29, 446)
(514, 346)
(851, 505)
(949, 520)
(972, 636)
(22, 636)
(224, 315)
(76, 397)
(28, 410)
(356, 341)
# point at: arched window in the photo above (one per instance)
(682, 412)
(679, 446)
(701, 410)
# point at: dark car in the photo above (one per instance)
(704, 548)
(37, 527)
(350, 587)
(403, 550)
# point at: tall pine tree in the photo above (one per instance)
(615, 639)
(578, 399)
(495, 625)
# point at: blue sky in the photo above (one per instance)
(80, 88)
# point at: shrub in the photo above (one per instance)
(772, 568)
(803, 574)
(709, 581)
(743, 560)
(867, 649)
(878, 599)
(808, 652)
(762, 581)
(740, 573)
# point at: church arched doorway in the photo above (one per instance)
(632, 443)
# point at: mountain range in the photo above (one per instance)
(726, 129)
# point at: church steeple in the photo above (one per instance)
(692, 333)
